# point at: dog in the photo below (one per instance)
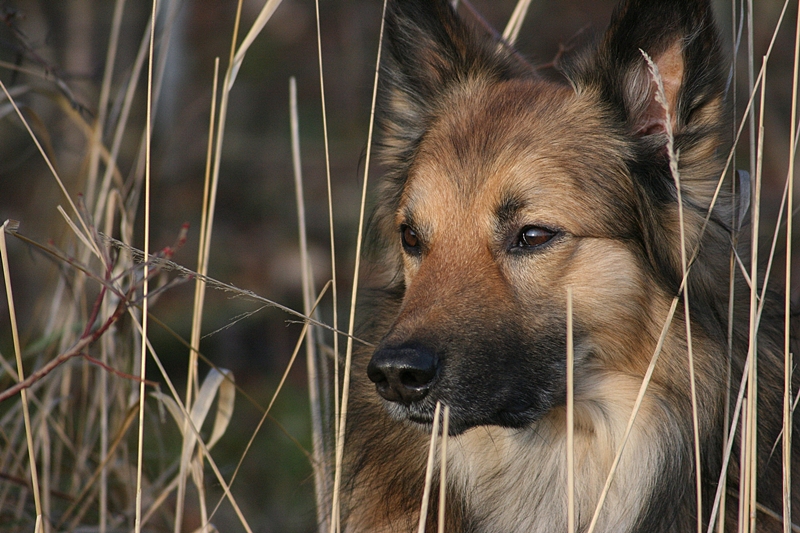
(503, 188)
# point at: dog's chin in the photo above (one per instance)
(421, 417)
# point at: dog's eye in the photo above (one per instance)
(533, 236)
(410, 239)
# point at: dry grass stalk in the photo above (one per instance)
(443, 469)
(137, 527)
(21, 376)
(335, 517)
(319, 463)
(511, 33)
(203, 252)
(661, 98)
(322, 503)
(426, 491)
(570, 418)
(787, 384)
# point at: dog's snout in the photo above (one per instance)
(403, 374)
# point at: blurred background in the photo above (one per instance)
(52, 60)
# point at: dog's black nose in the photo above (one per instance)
(403, 374)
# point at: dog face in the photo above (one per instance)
(505, 189)
(503, 208)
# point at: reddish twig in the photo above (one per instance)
(75, 351)
(119, 373)
(78, 349)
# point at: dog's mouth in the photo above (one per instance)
(422, 416)
(421, 420)
(463, 418)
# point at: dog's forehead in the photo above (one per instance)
(536, 142)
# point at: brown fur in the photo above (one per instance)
(480, 151)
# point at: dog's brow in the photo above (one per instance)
(507, 211)
(407, 217)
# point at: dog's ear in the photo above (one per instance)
(681, 38)
(430, 51)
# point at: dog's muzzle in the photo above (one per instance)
(403, 374)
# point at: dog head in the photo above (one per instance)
(503, 189)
